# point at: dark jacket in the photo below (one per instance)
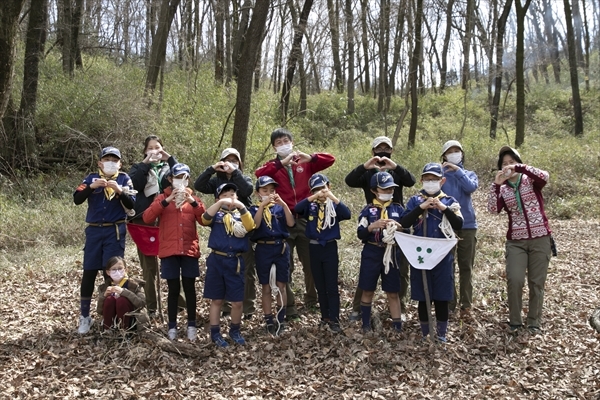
(139, 177)
(360, 177)
(207, 183)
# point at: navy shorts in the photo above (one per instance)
(101, 244)
(174, 266)
(269, 254)
(223, 280)
(371, 268)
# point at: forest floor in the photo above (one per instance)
(42, 356)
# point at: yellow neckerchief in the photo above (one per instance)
(321, 214)
(228, 221)
(267, 216)
(122, 282)
(383, 206)
(108, 192)
(440, 196)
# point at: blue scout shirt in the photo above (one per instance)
(100, 208)
(310, 211)
(278, 229)
(371, 213)
(219, 239)
(434, 216)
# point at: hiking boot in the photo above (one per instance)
(237, 337)
(219, 341)
(335, 327)
(515, 328)
(85, 323)
(271, 329)
(172, 334)
(192, 332)
(354, 316)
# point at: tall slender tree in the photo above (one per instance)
(572, 48)
(414, 65)
(9, 21)
(521, 12)
(498, 72)
(334, 30)
(350, 41)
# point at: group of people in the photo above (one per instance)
(254, 229)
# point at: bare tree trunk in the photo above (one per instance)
(364, 4)
(414, 64)
(303, 92)
(552, 39)
(397, 49)
(244, 83)
(383, 46)
(572, 48)
(578, 31)
(446, 46)
(334, 30)
(295, 53)
(313, 64)
(240, 33)
(466, 69)
(9, 20)
(521, 11)
(498, 68)
(227, 53)
(586, 59)
(219, 49)
(541, 44)
(350, 41)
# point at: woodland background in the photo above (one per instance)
(77, 75)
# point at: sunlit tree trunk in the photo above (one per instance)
(364, 4)
(240, 32)
(498, 68)
(350, 41)
(446, 45)
(414, 64)
(521, 12)
(576, 99)
(552, 39)
(383, 46)
(9, 19)
(334, 30)
(586, 65)
(467, 44)
(220, 46)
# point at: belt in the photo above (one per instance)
(279, 241)
(230, 255)
(380, 244)
(115, 224)
(313, 241)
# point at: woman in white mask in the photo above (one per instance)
(460, 184)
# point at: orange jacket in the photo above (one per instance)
(177, 234)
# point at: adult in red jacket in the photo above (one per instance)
(292, 170)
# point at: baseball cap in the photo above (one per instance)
(223, 187)
(229, 151)
(110, 150)
(381, 140)
(508, 150)
(382, 180)
(433, 169)
(179, 169)
(451, 143)
(317, 180)
(264, 181)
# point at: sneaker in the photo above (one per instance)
(366, 328)
(335, 327)
(237, 337)
(292, 318)
(442, 339)
(172, 333)
(271, 329)
(192, 332)
(355, 316)
(85, 323)
(514, 328)
(219, 341)
(323, 323)
(534, 330)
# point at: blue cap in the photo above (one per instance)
(383, 180)
(264, 181)
(223, 187)
(317, 180)
(433, 169)
(179, 169)
(110, 150)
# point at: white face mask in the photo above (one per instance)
(110, 167)
(454, 158)
(264, 198)
(284, 150)
(385, 196)
(432, 187)
(117, 275)
(180, 183)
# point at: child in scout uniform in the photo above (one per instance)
(272, 218)
(230, 223)
(108, 193)
(178, 210)
(119, 295)
(323, 212)
(425, 213)
(380, 256)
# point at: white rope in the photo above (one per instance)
(131, 192)
(389, 240)
(275, 290)
(445, 225)
(238, 229)
(330, 214)
(180, 199)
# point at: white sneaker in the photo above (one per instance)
(85, 323)
(172, 333)
(192, 333)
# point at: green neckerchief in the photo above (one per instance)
(290, 173)
(515, 187)
(157, 167)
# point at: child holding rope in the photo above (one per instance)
(425, 213)
(108, 192)
(380, 256)
(230, 223)
(272, 218)
(323, 212)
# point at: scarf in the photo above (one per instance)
(384, 215)
(515, 187)
(153, 184)
(321, 215)
(108, 191)
(267, 215)
(228, 221)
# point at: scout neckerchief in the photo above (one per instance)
(108, 191)
(384, 214)
(515, 187)
(267, 216)
(228, 221)
(153, 185)
(320, 215)
(290, 173)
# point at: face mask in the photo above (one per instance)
(264, 198)
(110, 167)
(117, 275)
(284, 150)
(383, 154)
(385, 196)
(454, 158)
(432, 187)
(180, 183)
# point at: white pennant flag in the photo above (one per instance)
(424, 252)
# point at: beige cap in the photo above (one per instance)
(451, 143)
(382, 139)
(229, 151)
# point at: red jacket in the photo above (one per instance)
(301, 172)
(177, 233)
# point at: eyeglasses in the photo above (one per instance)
(383, 149)
(116, 269)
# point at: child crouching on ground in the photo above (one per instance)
(178, 211)
(380, 256)
(323, 212)
(230, 223)
(272, 218)
(425, 212)
(119, 295)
